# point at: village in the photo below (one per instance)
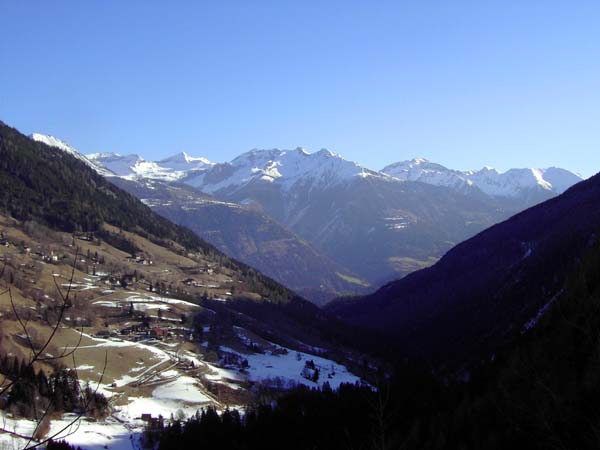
(148, 326)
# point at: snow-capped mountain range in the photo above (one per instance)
(511, 183)
(321, 169)
(287, 168)
(135, 167)
(379, 225)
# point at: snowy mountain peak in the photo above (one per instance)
(112, 156)
(184, 158)
(328, 153)
(256, 156)
(103, 155)
(135, 167)
(286, 168)
(561, 179)
(120, 165)
(62, 145)
(512, 183)
(53, 141)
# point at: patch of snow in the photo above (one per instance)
(531, 323)
(288, 365)
(183, 389)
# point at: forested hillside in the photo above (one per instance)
(45, 184)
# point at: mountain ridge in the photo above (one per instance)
(489, 180)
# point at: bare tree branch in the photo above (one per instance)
(36, 356)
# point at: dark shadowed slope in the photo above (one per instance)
(488, 287)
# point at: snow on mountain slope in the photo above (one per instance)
(57, 143)
(561, 179)
(135, 167)
(184, 162)
(54, 142)
(512, 183)
(286, 168)
(132, 166)
(424, 171)
(118, 164)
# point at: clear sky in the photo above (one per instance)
(463, 83)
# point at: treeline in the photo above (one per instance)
(33, 393)
(303, 419)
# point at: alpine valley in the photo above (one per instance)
(320, 224)
(121, 327)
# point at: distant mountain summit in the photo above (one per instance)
(183, 162)
(133, 167)
(285, 168)
(57, 143)
(512, 183)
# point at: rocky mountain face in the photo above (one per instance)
(249, 236)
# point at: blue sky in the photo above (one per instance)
(463, 83)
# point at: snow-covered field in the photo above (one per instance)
(181, 397)
(144, 302)
(89, 435)
(287, 366)
(166, 379)
(173, 393)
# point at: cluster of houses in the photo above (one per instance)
(192, 282)
(142, 332)
(141, 258)
(49, 257)
(41, 253)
